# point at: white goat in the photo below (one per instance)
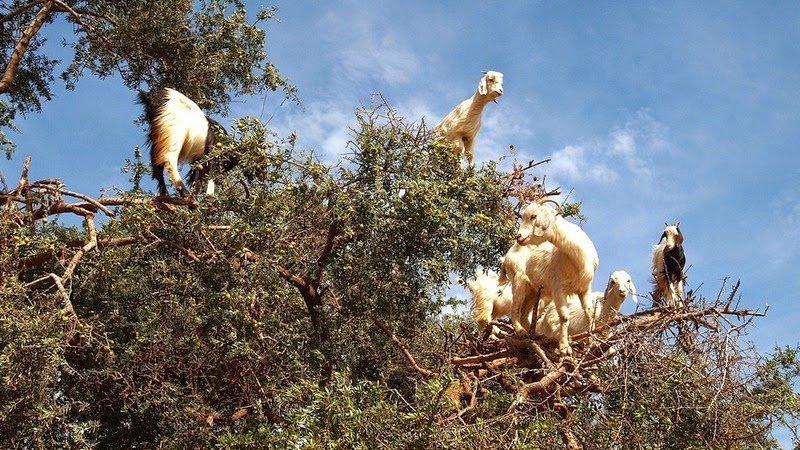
(461, 125)
(490, 301)
(558, 267)
(667, 269)
(179, 132)
(603, 305)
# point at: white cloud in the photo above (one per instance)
(502, 125)
(631, 151)
(368, 52)
(324, 126)
(414, 109)
(572, 163)
(623, 142)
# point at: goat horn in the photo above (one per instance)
(666, 224)
(547, 200)
(484, 72)
(558, 205)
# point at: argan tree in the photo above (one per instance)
(306, 305)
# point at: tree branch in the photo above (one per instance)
(22, 46)
(404, 349)
(17, 11)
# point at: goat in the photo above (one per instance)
(604, 307)
(552, 260)
(461, 125)
(489, 300)
(667, 269)
(179, 132)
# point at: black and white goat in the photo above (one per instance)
(667, 269)
(179, 132)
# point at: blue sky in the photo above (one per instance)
(682, 112)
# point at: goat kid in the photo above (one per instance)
(179, 132)
(604, 307)
(459, 128)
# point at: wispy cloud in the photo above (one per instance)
(368, 52)
(324, 126)
(502, 125)
(575, 164)
(779, 237)
(629, 151)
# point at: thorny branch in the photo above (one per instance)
(32, 201)
(544, 378)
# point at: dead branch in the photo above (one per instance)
(23, 180)
(63, 191)
(551, 373)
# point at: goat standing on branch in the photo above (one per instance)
(552, 259)
(461, 125)
(604, 307)
(179, 132)
(668, 263)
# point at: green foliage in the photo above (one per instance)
(249, 319)
(198, 319)
(206, 331)
(6, 145)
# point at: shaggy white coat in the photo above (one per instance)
(553, 260)
(490, 301)
(604, 307)
(178, 133)
(459, 128)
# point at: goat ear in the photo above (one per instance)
(541, 224)
(483, 87)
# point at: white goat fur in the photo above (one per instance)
(179, 133)
(461, 125)
(553, 260)
(604, 307)
(672, 293)
(489, 300)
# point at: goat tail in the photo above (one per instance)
(152, 102)
(144, 97)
